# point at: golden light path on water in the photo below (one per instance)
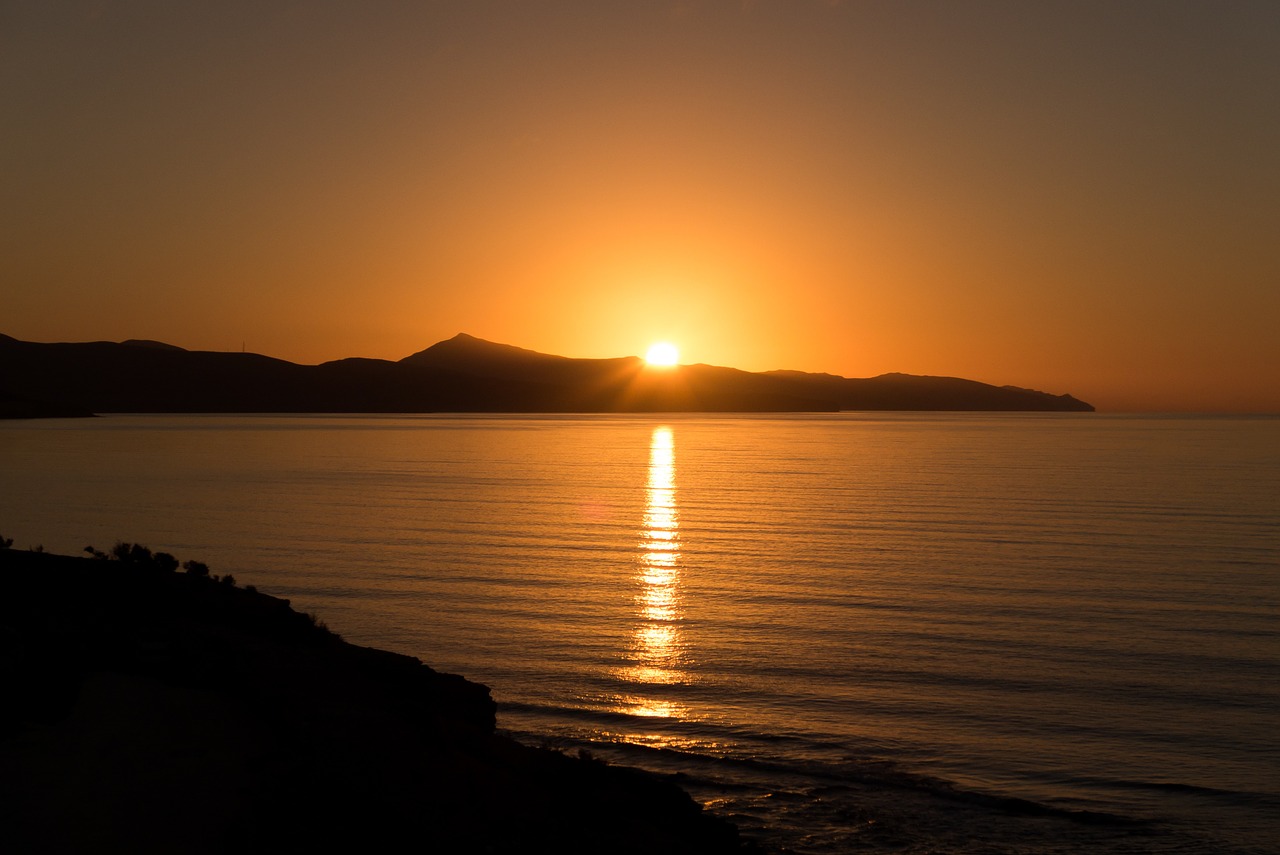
(656, 651)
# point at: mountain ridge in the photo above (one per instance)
(461, 374)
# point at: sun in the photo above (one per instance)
(663, 354)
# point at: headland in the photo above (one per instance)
(157, 710)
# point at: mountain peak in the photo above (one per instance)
(464, 347)
(146, 342)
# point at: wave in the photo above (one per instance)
(802, 793)
(1241, 796)
(733, 756)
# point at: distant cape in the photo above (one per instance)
(461, 374)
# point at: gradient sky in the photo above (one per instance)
(1075, 196)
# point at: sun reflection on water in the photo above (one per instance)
(656, 652)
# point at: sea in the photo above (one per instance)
(854, 632)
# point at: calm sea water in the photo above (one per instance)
(849, 633)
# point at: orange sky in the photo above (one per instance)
(1079, 197)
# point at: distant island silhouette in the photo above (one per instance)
(153, 710)
(461, 374)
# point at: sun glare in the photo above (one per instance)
(662, 353)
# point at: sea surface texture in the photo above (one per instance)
(848, 633)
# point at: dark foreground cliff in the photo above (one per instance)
(152, 710)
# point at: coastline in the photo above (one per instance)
(157, 710)
(14, 407)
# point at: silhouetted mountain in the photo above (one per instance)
(462, 374)
(17, 407)
(468, 353)
(146, 342)
(912, 392)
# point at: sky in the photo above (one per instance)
(1079, 197)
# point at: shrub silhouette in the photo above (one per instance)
(161, 562)
(132, 553)
(196, 568)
